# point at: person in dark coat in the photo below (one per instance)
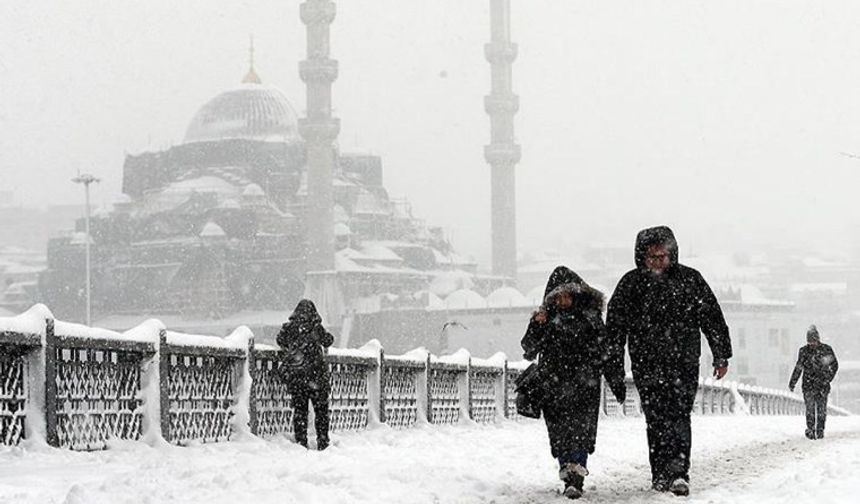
(303, 340)
(566, 334)
(817, 362)
(659, 310)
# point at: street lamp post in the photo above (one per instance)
(86, 179)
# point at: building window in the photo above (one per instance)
(773, 338)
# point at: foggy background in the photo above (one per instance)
(722, 119)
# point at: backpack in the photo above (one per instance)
(299, 358)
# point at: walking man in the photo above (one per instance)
(660, 310)
(817, 362)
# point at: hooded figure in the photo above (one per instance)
(817, 362)
(567, 335)
(660, 310)
(303, 340)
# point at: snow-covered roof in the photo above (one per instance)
(446, 282)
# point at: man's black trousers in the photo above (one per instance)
(667, 401)
(816, 412)
(319, 398)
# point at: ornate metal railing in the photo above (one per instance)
(99, 386)
(95, 395)
(201, 391)
(14, 390)
(402, 380)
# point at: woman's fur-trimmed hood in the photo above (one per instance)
(585, 297)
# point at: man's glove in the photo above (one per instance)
(721, 371)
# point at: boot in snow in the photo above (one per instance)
(680, 487)
(573, 476)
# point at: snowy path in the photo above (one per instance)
(735, 459)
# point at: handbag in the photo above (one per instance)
(527, 387)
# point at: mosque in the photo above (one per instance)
(256, 208)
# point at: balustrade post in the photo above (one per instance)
(425, 395)
(501, 391)
(464, 384)
(505, 378)
(253, 420)
(164, 384)
(51, 435)
(380, 386)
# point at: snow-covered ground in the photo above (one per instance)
(735, 459)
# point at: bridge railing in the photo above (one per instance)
(79, 387)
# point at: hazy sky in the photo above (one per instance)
(722, 119)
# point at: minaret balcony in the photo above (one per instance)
(316, 12)
(324, 129)
(500, 52)
(318, 70)
(497, 104)
(502, 154)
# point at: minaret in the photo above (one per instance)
(502, 153)
(319, 129)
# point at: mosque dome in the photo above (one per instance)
(252, 111)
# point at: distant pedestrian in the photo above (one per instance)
(303, 340)
(566, 334)
(660, 310)
(817, 362)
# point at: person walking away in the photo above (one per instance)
(659, 310)
(566, 334)
(817, 363)
(303, 341)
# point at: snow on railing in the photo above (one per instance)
(80, 387)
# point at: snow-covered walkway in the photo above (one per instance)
(735, 459)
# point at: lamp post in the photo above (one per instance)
(86, 179)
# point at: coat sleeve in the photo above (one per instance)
(323, 337)
(713, 324)
(281, 339)
(617, 330)
(798, 369)
(532, 341)
(834, 366)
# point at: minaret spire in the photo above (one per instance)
(251, 77)
(502, 153)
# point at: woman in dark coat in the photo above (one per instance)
(567, 336)
(303, 340)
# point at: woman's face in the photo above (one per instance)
(564, 301)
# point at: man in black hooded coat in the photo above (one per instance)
(658, 310)
(817, 362)
(303, 339)
(568, 336)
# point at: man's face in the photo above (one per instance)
(657, 259)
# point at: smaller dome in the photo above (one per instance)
(253, 190)
(506, 297)
(463, 299)
(212, 230)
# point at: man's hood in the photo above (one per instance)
(305, 312)
(659, 235)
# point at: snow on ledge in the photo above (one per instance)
(461, 358)
(31, 321)
(182, 339)
(497, 360)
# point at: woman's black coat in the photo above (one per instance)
(570, 346)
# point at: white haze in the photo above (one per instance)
(723, 119)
